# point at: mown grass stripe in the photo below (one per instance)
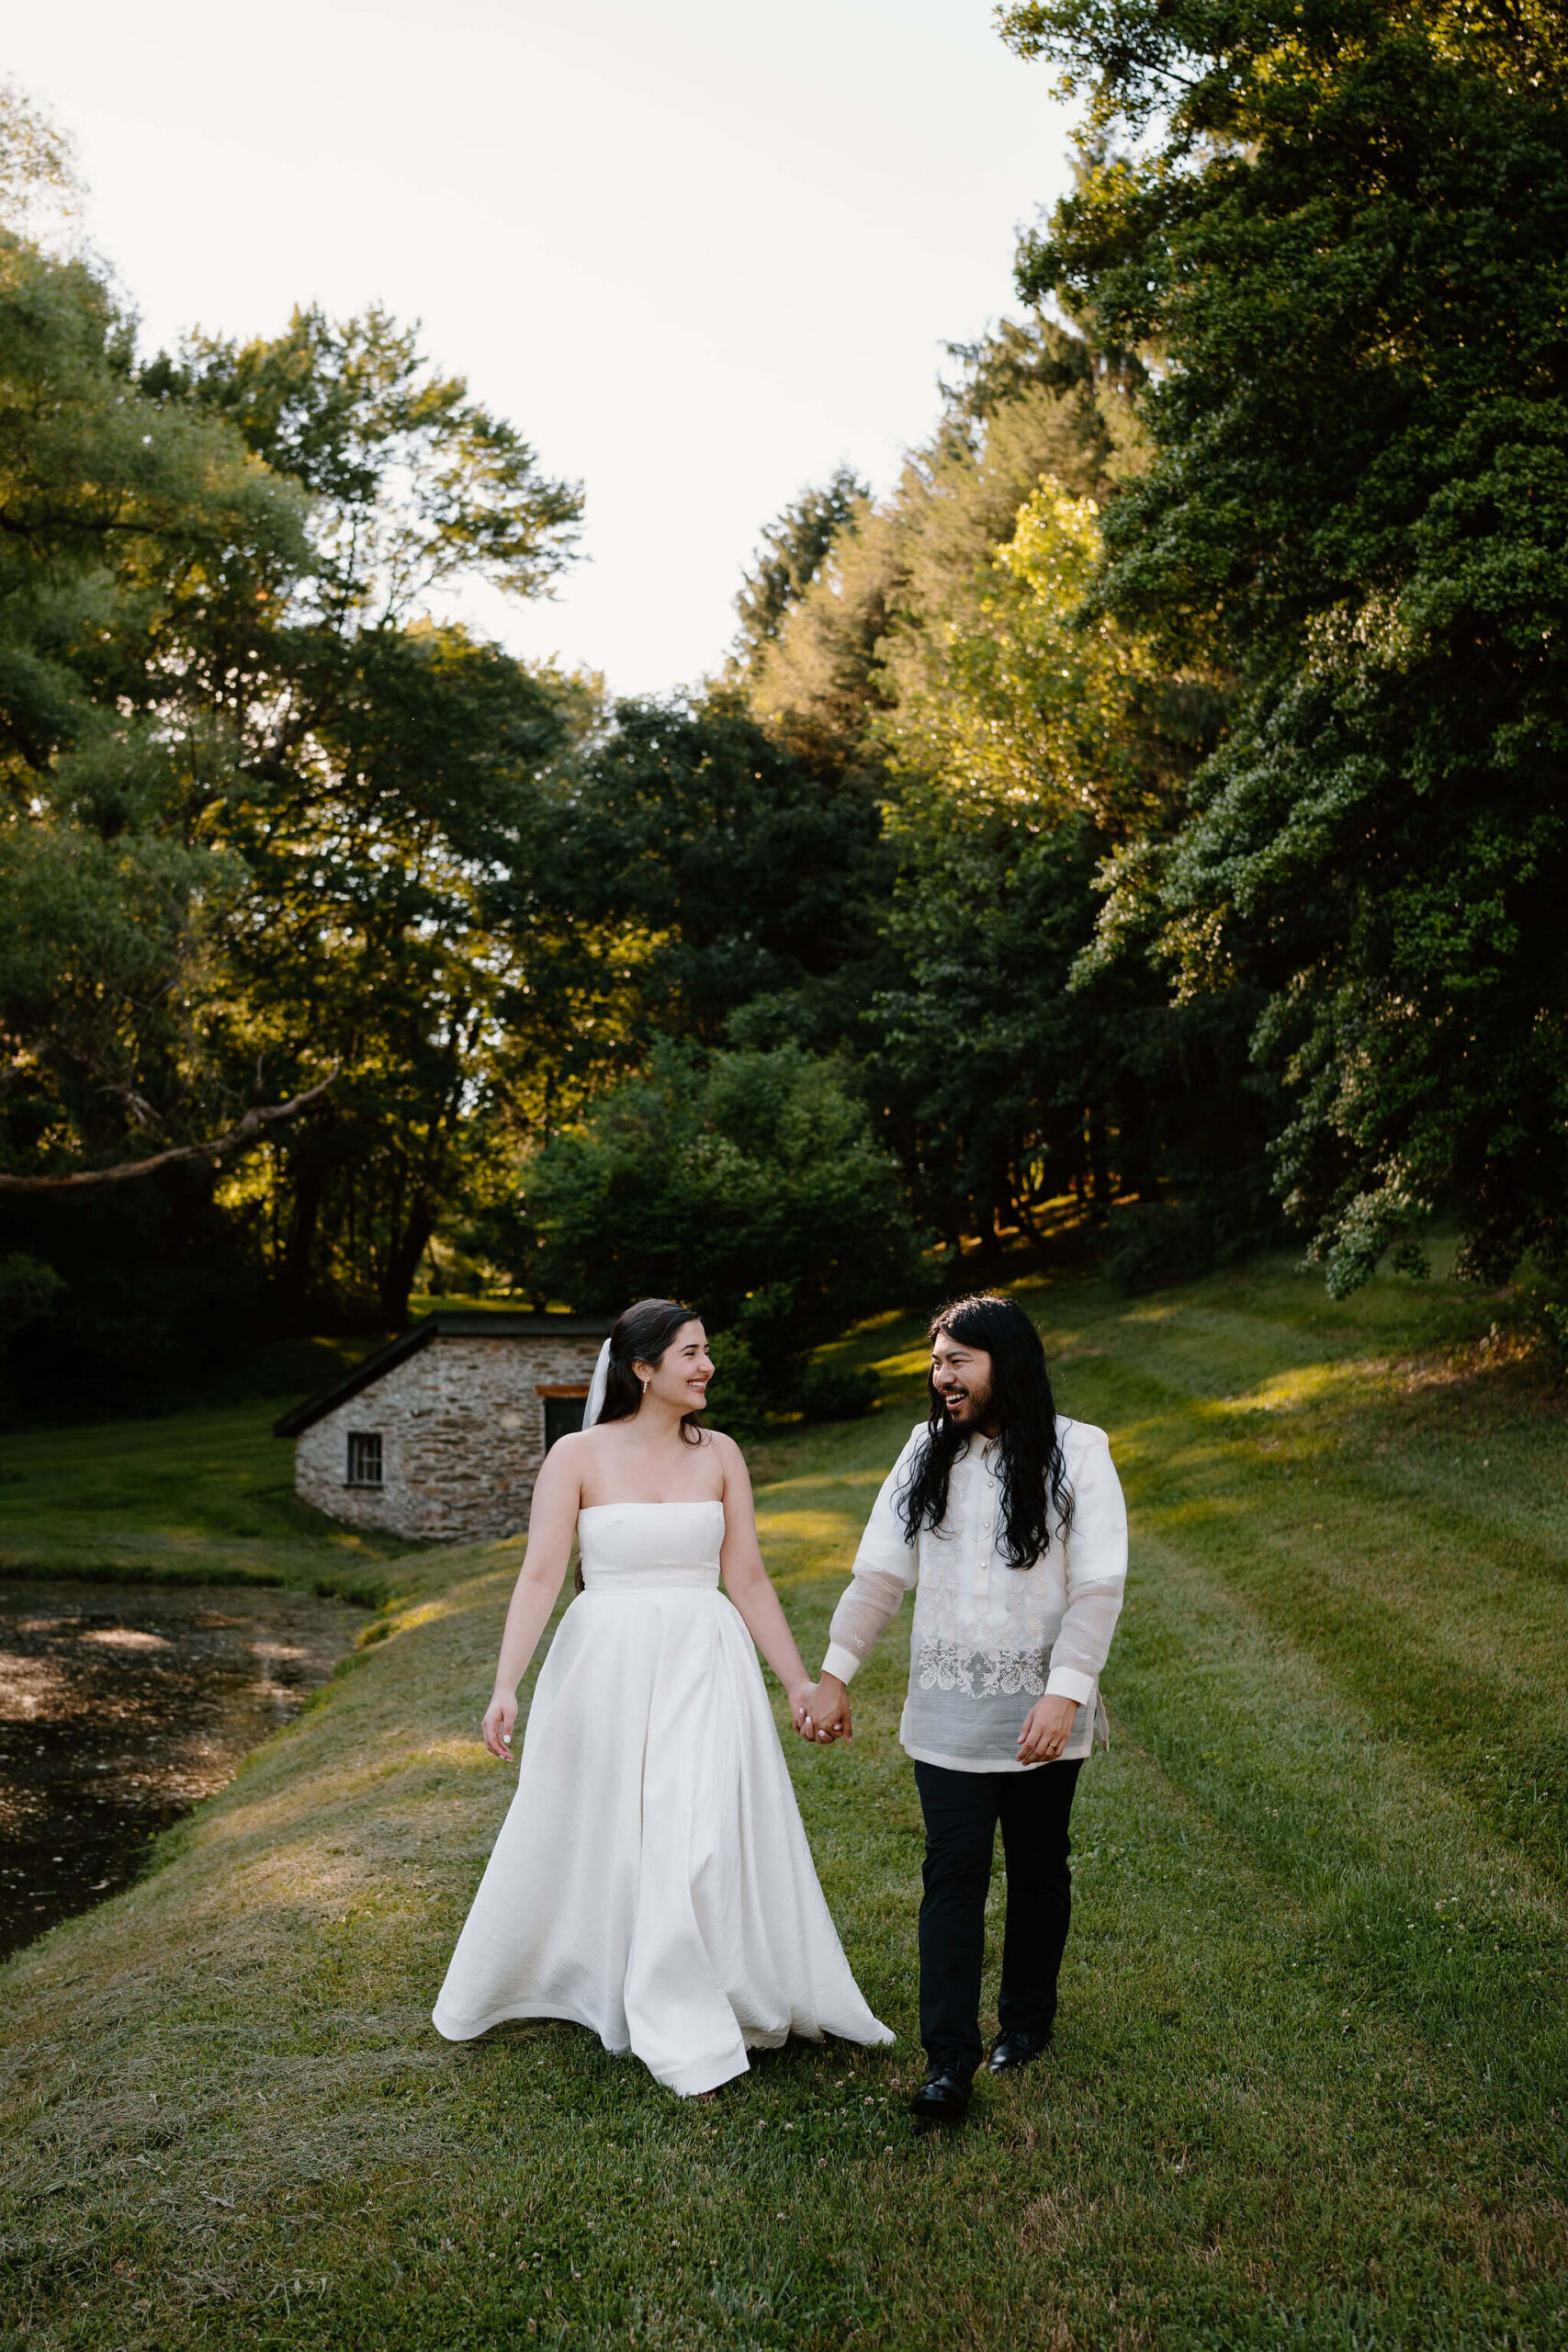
(1293, 2102)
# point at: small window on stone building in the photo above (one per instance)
(562, 1416)
(365, 1458)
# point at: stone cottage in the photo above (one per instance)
(440, 1436)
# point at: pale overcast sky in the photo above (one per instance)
(698, 252)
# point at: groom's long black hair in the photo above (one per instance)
(1033, 1474)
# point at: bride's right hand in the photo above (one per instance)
(501, 1717)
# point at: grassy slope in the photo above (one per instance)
(1309, 2082)
(201, 1497)
(204, 1497)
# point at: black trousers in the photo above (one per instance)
(962, 1810)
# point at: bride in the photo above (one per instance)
(651, 1880)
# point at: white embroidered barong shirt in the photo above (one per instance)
(989, 1640)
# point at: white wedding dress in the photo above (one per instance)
(652, 1880)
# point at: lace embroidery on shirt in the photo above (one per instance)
(979, 1673)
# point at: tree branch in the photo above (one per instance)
(238, 1138)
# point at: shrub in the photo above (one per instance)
(1155, 1242)
(835, 1392)
(738, 1394)
(752, 1183)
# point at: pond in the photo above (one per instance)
(120, 1706)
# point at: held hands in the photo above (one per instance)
(500, 1718)
(817, 1717)
(824, 1716)
(1047, 1728)
(801, 1704)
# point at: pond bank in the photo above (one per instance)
(120, 1707)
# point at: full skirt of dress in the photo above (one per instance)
(651, 1879)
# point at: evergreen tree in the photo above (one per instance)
(1341, 226)
(790, 555)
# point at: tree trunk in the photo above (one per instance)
(296, 1284)
(1099, 1166)
(405, 1247)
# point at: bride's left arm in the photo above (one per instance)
(749, 1585)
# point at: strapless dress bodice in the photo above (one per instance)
(630, 1547)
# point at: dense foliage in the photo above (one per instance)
(687, 863)
(1144, 820)
(252, 788)
(939, 650)
(751, 1183)
(1342, 229)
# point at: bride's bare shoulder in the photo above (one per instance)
(577, 1448)
(574, 1442)
(730, 1454)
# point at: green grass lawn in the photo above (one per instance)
(1309, 2083)
(204, 1497)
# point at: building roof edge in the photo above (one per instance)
(446, 1323)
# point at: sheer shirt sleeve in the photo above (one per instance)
(887, 1568)
(1096, 1575)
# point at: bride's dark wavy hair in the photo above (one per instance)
(641, 1336)
(1033, 1471)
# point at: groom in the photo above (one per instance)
(1007, 1525)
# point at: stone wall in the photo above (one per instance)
(462, 1431)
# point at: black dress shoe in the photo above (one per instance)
(1017, 2049)
(941, 2098)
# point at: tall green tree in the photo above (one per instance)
(138, 545)
(390, 764)
(1341, 229)
(131, 538)
(124, 530)
(413, 485)
(252, 790)
(366, 934)
(686, 865)
(1022, 747)
(938, 653)
(792, 550)
(1026, 404)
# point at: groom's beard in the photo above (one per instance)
(970, 1411)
